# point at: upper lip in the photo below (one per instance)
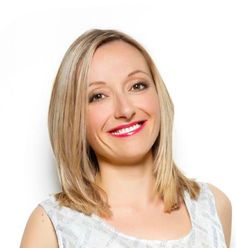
(125, 125)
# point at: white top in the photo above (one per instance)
(75, 229)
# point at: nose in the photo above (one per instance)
(123, 107)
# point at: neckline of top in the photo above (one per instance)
(113, 229)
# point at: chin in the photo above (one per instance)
(134, 156)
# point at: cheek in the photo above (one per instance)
(95, 120)
(155, 107)
(150, 104)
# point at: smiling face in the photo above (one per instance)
(123, 114)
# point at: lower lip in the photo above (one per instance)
(130, 133)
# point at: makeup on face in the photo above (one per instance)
(122, 103)
(127, 129)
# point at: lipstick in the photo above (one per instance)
(127, 129)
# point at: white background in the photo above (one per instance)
(193, 45)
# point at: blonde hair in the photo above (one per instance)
(77, 164)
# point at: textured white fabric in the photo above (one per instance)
(75, 229)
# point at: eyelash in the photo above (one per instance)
(91, 98)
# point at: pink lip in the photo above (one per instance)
(125, 126)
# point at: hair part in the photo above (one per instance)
(76, 160)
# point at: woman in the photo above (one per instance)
(110, 125)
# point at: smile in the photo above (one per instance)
(128, 131)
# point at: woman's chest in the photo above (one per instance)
(152, 223)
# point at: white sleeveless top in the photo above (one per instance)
(75, 229)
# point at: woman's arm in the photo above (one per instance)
(39, 231)
(224, 210)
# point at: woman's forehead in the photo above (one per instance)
(116, 58)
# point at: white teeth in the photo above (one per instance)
(126, 130)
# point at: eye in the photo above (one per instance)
(139, 86)
(96, 97)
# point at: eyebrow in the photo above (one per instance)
(129, 75)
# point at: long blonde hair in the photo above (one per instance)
(77, 163)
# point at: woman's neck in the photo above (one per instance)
(129, 186)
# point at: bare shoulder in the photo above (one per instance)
(224, 210)
(39, 231)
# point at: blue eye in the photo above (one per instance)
(139, 86)
(96, 97)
